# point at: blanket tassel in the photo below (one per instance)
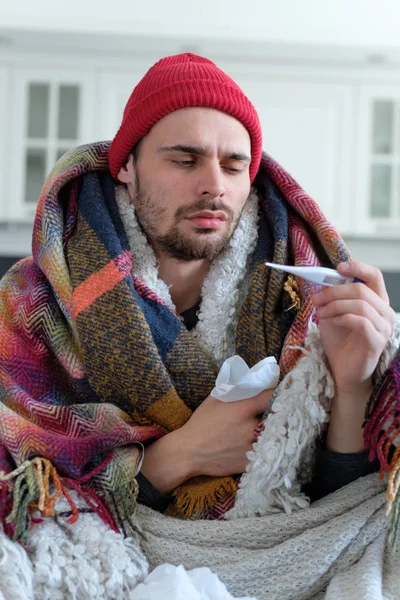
(381, 429)
(36, 486)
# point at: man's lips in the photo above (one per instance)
(208, 219)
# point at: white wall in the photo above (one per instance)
(371, 23)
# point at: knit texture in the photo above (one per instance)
(93, 362)
(335, 548)
(183, 81)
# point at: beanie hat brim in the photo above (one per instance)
(219, 93)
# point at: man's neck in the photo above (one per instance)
(185, 280)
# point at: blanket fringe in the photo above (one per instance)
(35, 486)
(200, 495)
(382, 428)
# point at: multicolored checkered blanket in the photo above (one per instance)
(93, 364)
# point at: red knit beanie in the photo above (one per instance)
(182, 81)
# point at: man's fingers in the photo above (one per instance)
(371, 276)
(361, 326)
(360, 308)
(355, 291)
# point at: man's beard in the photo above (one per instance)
(201, 244)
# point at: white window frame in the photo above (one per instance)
(365, 224)
(18, 210)
(5, 136)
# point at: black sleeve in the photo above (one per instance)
(151, 496)
(334, 470)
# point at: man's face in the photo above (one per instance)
(190, 182)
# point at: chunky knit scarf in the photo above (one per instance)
(94, 361)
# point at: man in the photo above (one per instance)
(188, 179)
(142, 285)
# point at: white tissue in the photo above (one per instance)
(175, 583)
(236, 381)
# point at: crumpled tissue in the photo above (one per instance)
(236, 381)
(175, 583)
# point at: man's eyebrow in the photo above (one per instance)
(200, 151)
(238, 156)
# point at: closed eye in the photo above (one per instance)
(189, 163)
(184, 163)
(232, 170)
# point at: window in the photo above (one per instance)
(52, 111)
(377, 198)
(384, 185)
(52, 129)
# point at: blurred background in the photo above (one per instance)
(324, 76)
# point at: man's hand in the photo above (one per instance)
(356, 322)
(214, 441)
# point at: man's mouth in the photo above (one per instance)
(208, 219)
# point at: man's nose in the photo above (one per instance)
(211, 182)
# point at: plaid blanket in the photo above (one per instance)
(93, 364)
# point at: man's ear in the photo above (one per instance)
(126, 174)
